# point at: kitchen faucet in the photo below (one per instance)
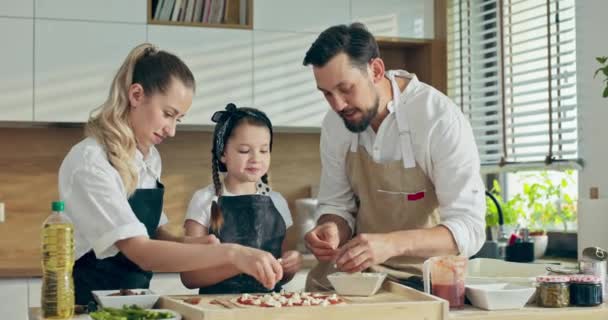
(495, 248)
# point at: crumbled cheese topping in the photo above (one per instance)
(278, 300)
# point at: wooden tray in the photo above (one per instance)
(393, 301)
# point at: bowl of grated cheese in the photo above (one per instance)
(357, 283)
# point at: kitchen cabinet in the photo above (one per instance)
(312, 16)
(34, 286)
(75, 64)
(220, 60)
(396, 18)
(283, 87)
(16, 78)
(13, 298)
(17, 8)
(132, 11)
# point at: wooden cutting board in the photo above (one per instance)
(393, 301)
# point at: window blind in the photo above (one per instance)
(511, 68)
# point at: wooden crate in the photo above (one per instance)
(393, 301)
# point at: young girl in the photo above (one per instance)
(110, 183)
(243, 209)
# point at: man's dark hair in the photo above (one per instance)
(354, 40)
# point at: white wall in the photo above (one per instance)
(60, 56)
(591, 40)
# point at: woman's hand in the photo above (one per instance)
(259, 264)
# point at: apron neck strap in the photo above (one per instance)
(390, 75)
(407, 151)
(394, 87)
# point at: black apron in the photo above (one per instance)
(252, 221)
(118, 272)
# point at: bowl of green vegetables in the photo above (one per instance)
(134, 312)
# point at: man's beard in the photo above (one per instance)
(366, 119)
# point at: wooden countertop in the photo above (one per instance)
(471, 313)
(532, 313)
(8, 272)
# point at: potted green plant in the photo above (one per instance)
(547, 205)
(604, 70)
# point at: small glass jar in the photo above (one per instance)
(553, 291)
(596, 268)
(585, 290)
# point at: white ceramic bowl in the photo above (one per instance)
(357, 284)
(498, 296)
(146, 300)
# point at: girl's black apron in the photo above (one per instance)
(252, 221)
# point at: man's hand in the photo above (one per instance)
(323, 241)
(326, 237)
(363, 251)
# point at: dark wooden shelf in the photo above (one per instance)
(427, 58)
(199, 24)
(150, 17)
(417, 56)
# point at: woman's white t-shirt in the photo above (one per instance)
(96, 200)
(199, 209)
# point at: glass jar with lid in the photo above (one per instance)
(585, 290)
(553, 291)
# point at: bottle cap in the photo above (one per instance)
(57, 206)
(553, 279)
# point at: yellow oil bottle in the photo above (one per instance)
(57, 297)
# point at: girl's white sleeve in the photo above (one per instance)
(199, 209)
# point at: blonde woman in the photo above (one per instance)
(110, 183)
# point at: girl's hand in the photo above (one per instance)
(206, 239)
(291, 261)
(259, 264)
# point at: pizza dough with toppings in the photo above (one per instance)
(287, 299)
